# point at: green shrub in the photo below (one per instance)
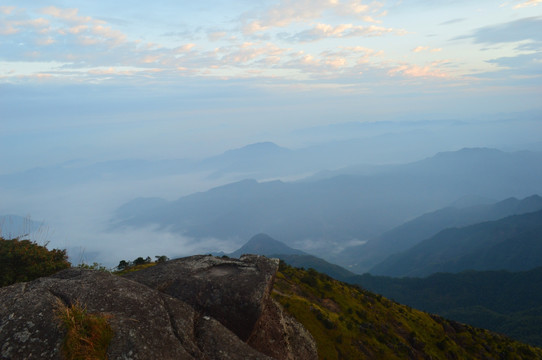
(24, 260)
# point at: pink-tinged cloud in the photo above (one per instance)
(287, 12)
(360, 10)
(337, 62)
(323, 31)
(248, 52)
(69, 15)
(528, 3)
(6, 10)
(10, 27)
(185, 48)
(78, 29)
(425, 48)
(107, 33)
(416, 71)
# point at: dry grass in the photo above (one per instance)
(87, 335)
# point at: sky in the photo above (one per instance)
(103, 79)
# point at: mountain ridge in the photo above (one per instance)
(344, 209)
(363, 257)
(511, 243)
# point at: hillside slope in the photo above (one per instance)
(507, 302)
(350, 323)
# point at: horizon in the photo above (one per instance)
(102, 79)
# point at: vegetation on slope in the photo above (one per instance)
(502, 301)
(348, 322)
(125, 267)
(25, 260)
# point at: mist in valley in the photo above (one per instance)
(77, 203)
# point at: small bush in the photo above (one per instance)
(24, 260)
(93, 266)
(87, 335)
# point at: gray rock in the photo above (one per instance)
(147, 324)
(236, 292)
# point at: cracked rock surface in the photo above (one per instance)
(233, 291)
(147, 324)
(237, 293)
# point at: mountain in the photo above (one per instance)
(325, 216)
(361, 258)
(263, 244)
(502, 301)
(348, 322)
(254, 159)
(513, 243)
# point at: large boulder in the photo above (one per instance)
(147, 324)
(236, 292)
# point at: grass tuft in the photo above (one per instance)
(87, 335)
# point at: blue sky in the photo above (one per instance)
(96, 78)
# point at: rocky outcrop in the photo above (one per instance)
(147, 324)
(236, 292)
(280, 336)
(200, 307)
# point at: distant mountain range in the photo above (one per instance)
(262, 160)
(362, 258)
(513, 243)
(325, 216)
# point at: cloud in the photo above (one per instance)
(323, 31)
(514, 31)
(343, 64)
(287, 12)
(521, 65)
(69, 15)
(416, 71)
(11, 27)
(528, 3)
(6, 10)
(425, 48)
(248, 52)
(453, 21)
(216, 35)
